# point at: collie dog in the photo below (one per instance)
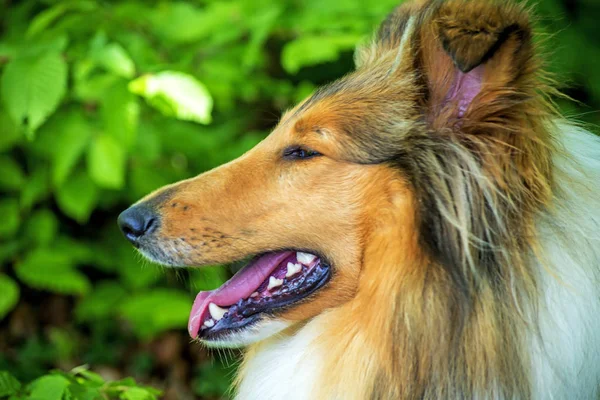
(426, 227)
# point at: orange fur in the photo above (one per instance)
(427, 213)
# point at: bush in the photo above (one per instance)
(79, 384)
(105, 101)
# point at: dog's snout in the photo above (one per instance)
(137, 221)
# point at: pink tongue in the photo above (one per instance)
(240, 286)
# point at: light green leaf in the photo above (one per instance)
(183, 22)
(115, 59)
(156, 311)
(77, 197)
(312, 50)
(123, 386)
(88, 85)
(89, 376)
(175, 94)
(106, 162)
(8, 300)
(48, 387)
(10, 132)
(51, 270)
(136, 393)
(32, 88)
(8, 384)
(11, 217)
(11, 174)
(120, 114)
(71, 140)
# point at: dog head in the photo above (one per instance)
(426, 142)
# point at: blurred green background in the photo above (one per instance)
(104, 101)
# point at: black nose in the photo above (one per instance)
(137, 221)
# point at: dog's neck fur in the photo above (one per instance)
(377, 346)
(396, 339)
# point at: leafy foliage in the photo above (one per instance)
(80, 383)
(33, 86)
(102, 102)
(10, 294)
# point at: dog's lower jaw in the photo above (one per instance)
(263, 329)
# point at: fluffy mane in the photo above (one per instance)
(483, 282)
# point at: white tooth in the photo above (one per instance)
(209, 323)
(292, 269)
(216, 312)
(305, 258)
(255, 294)
(274, 282)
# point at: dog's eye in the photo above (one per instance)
(299, 153)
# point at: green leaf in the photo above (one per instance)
(8, 249)
(71, 140)
(8, 384)
(89, 376)
(136, 393)
(9, 298)
(63, 345)
(46, 18)
(106, 162)
(11, 217)
(41, 227)
(120, 114)
(213, 379)
(10, 134)
(115, 59)
(175, 94)
(208, 278)
(156, 311)
(90, 87)
(78, 197)
(123, 386)
(11, 174)
(262, 24)
(102, 303)
(83, 391)
(182, 22)
(36, 187)
(32, 88)
(48, 387)
(51, 270)
(312, 50)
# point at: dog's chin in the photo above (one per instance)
(254, 333)
(248, 308)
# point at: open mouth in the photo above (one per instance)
(269, 283)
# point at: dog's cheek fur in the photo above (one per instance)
(308, 204)
(477, 163)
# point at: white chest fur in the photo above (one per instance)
(283, 367)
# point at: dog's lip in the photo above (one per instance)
(241, 285)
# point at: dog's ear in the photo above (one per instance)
(476, 58)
